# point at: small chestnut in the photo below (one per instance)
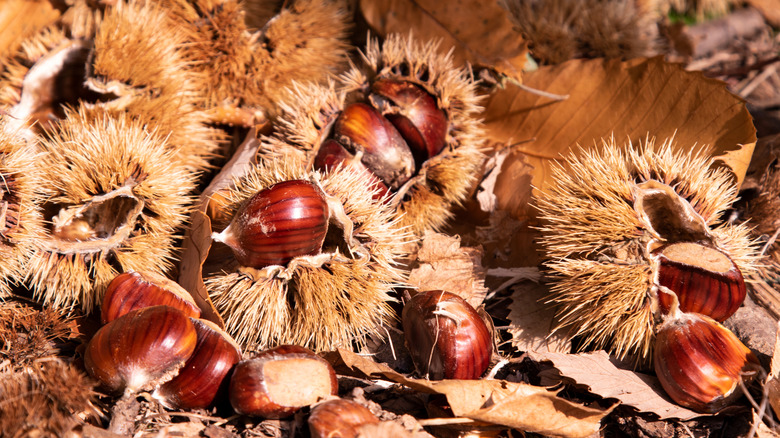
(363, 129)
(704, 279)
(415, 113)
(278, 382)
(141, 349)
(202, 379)
(446, 336)
(700, 363)
(275, 225)
(339, 418)
(129, 291)
(332, 154)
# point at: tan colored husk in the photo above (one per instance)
(425, 203)
(140, 58)
(88, 163)
(596, 243)
(21, 223)
(246, 71)
(323, 301)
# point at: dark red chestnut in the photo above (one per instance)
(339, 418)
(141, 349)
(362, 129)
(446, 336)
(278, 382)
(704, 279)
(332, 154)
(134, 290)
(415, 113)
(202, 379)
(700, 363)
(277, 224)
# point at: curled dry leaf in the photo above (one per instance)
(444, 265)
(626, 99)
(596, 371)
(531, 321)
(478, 32)
(516, 405)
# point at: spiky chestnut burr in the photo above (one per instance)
(320, 301)
(700, 363)
(129, 291)
(128, 187)
(438, 182)
(606, 214)
(248, 67)
(278, 382)
(446, 336)
(21, 221)
(141, 349)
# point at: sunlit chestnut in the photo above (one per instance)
(202, 381)
(141, 349)
(700, 363)
(446, 336)
(278, 382)
(134, 290)
(363, 130)
(415, 113)
(704, 279)
(332, 154)
(277, 224)
(339, 418)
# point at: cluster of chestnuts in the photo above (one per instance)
(153, 340)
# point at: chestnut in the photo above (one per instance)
(704, 279)
(362, 129)
(129, 291)
(415, 113)
(141, 349)
(203, 378)
(332, 154)
(446, 336)
(286, 220)
(700, 363)
(278, 382)
(339, 418)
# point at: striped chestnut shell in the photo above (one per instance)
(277, 224)
(446, 336)
(704, 279)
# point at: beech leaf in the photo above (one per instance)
(630, 100)
(531, 321)
(516, 405)
(478, 32)
(596, 371)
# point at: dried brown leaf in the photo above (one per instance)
(20, 19)
(517, 405)
(606, 97)
(531, 321)
(445, 265)
(596, 371)
(478, 32)
(773, 380)
(770, 9)
(197, 241)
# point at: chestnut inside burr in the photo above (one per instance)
(106, 219)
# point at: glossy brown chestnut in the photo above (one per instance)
(699, 362)
(416, 115)
(446, 336)
(277, 224)
(134, 290)
(339, 418)
(141, 349)
(361, 128)
(203, 378)
(704, 279)
(332, 154)
(278, 382)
